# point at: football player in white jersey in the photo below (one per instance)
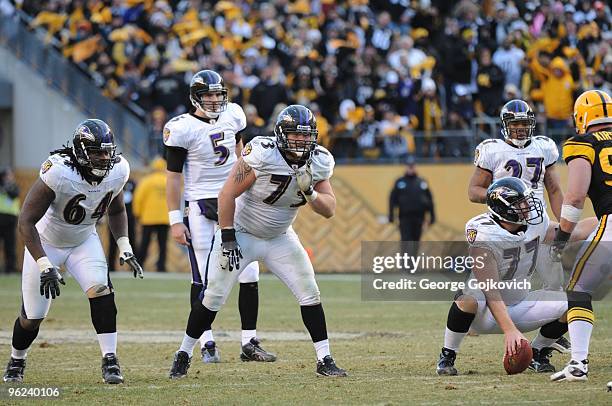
(507, 241)
(202, 147)
(257, 206)
(77, 186)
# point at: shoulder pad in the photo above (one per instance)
(237, 116)
(481, 229)
(255, 151)
(176, 132)
(322, 163)
(52, 171)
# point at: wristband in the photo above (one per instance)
(44, 264)
(311, 197)
(571, 213)
(124, 245)
(228, 235)
(175, 217)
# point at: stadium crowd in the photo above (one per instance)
(376, 72)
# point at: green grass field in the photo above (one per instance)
(389, 348)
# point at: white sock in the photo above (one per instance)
(542, 342)
(322, 349)
(247, 335)
(206, 337)
(188, 344)
(452, 339)
(19, 354)
(580, 335)
(108, 343)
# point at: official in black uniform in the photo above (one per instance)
(412, 196)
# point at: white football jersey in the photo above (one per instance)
(516, 254)
(528, 164)
(78, 205)
(211, 149)
(270, 205)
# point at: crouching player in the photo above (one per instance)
(509, 245)
(77, 186)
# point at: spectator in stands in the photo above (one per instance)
(412, 197)
(151, 210)
(509, 58)
(255, 125)
(490, 82)
(269, 92)
(429, 117)
(9, 211)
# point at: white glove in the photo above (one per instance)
(304, 178)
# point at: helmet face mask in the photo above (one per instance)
(518, 123)
(296, 132)
(94, 148)
(509, 200)
(207, 93)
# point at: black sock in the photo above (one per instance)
(22, 338)
(554, 329)
(314, 320)
(248, 304)
(196, 289)
(458, 320)
(200, 320)
(104, 313)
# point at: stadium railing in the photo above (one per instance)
(61, 74)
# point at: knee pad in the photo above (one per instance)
(104, 313)
(212, 302)
(98, 291)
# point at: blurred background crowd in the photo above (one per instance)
(386, 78)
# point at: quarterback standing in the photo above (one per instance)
(202, 147)
(77, 186)
(257, 206)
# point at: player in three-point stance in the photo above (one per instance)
(588, 155)
(77, 186)
(507, 240)
(257, 205)
(202, 146)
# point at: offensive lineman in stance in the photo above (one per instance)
(204, 145)
(257, 205)
(58, 225)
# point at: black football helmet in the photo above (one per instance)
(517, 111)
(91, 139)
(208, 82)
(296, 119)
(510, 200)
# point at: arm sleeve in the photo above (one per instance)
(175, 158)
(482, 157)
(573, 149)
(552, 153)
(51, 172)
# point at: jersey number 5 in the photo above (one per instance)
(220, 150)
(74, 213)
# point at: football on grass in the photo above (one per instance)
(518, 362)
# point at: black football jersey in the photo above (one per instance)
(596, 147)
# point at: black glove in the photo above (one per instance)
(231, 253)
(558, 244)
(130, 259)
(50, 279)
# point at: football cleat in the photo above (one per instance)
(252, 351)
(14, 370)
(446, 363)
(574, 371)
(210, 353)
(180, 365)
(562, 345)
(610, 386)
(327, 367)
(540, 362)
(111, 373)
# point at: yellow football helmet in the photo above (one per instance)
(592, 107)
